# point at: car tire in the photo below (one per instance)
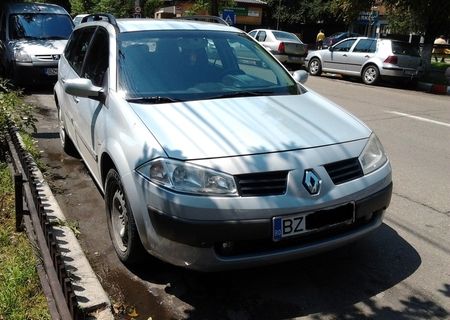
(315, 67)
(370, 75)
(121, 224)
(66, 141)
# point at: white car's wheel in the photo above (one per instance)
(66, 142)
(121, 224)
(315, 67)
(370, 74)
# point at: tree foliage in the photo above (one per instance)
(429, 17)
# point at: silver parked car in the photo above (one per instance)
(209, 153)
(32, 38)
(369, 58)
(285, 46)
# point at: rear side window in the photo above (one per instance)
(97, 58)
(77, 47)
(404, 48)
(40, 26)
(365, 45)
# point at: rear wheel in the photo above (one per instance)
(121, 223)
(315, 67)
(370, 75)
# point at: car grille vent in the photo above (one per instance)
(343, 171)
(262, 184)
(48, 57)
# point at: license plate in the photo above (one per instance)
(51, 71)
(295, 58)
(288, 226)
(296, 224)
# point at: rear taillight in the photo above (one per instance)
(281, 47)
(391, 60)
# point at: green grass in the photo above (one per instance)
(21, 296)
(441, 65)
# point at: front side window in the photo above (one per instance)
(77, 47)
(344, 46)
(97, 59)
(40, 26)
(188, 65)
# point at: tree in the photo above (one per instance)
(428, 17)
(349, 10)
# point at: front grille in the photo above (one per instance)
(48, 57)
(262, 184)
(345, 170)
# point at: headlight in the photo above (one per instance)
(373, 156)
(21, 56)
(184, 177)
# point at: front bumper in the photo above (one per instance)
(35, 73)
(244, 243)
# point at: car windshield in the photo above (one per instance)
(40, 26)
(164, 66)
(279, 35)
(404, 48)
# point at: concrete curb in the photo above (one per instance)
(91, 297)
(433, 88)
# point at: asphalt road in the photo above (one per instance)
(401, 271)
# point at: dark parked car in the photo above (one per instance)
(338, 36)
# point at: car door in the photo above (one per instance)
(89, 133)
(338, 58)
(363, 50)
(70, 67)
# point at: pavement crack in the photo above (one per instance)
(445, 213)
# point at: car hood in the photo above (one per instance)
(39, 47)
(242, 126)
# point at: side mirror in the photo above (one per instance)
(330, 48)
(84, 88)
(300, 76)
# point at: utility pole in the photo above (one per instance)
(214, 9)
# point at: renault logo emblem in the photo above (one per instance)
(311, 181)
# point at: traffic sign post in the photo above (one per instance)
(229, 16)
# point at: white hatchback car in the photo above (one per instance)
(369, 58)
(209, 153)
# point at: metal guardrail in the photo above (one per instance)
(31, 215)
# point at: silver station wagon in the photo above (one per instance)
(210, 154)
(368, 58)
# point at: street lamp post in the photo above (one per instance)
(278, 15)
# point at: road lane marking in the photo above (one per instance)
(445, 124)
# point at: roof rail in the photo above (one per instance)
(100, 16)
(214, 19)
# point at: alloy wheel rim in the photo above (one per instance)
(314, 67)
(370, 75)
(119, 221)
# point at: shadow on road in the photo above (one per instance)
(331, 283)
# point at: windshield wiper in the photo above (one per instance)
(153, 100)
(236, 94)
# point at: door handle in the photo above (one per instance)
(367, 56)
(76, 99)
(344, 55)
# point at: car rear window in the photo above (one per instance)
(285, 36)
(404, 48)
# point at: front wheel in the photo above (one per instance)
(66, 142)
(121, 223)
(315, 67)
(370, 75)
